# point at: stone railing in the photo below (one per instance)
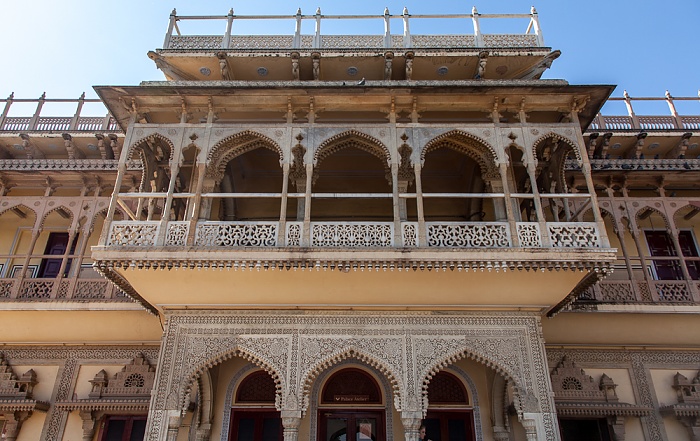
(59, 289)
(632, 121)
(38, 123)
(175, 40)
(643, 291)
(492, 235)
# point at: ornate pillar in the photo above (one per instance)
(306, 235)
(411, 421)
(538, 204)
(203, 432)
(510, 215)
(173, 428)
(196, 204)
(283, 204)
(89, 419)
(13, 423)
(291, 419)
(422, 232)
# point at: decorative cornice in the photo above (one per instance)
(682, 410)
(592, 409)
(66, 164)
(22, 406)
(589, 280)
(109, 405)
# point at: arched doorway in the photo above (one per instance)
(450, 415)
(351, 408)
(253, 415)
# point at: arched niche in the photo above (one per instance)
(351, 162)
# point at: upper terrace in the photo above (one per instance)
(222, 47)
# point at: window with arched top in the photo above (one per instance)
(445, 388)
(258, 387)
(450, 415)
(351, 387)
(134, 380)
(254, 417)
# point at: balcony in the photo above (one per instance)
(174, 40)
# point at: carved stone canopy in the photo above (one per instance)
(134, 381)
(578, 394)
(13, 387)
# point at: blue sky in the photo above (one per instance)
(65, 47)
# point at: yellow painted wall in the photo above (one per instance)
(45, 377)
(663, 384)
(87, 373)
(104, 327)
(581, 328)
(621, 377)
(675, 430)
(31, 428)
(373, 288)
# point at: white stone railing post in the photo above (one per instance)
(283, 206)
(317, 34)
(5, 111)
(478, 40)
(678, 122)
(35, 119)
(406, 29)
(630, 110)
(76, 117)
(387, 28)
(169, 33)
(296, 43)
(535, 20)
(226, 42)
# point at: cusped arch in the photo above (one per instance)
(471, 145)
(236, 145)
(352, 138)
(339, 356)
(644, 208)
(683, 207)
(65, 209)
(239, 351)
(461, 354)
(16, 205)
(152, 138)
(560, 138)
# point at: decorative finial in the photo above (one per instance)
(533, 11)
(43, 96)
(230, 11)
(667, 94)
(405, 10)
(386, 10)
(174, 12)
(12, 95)
(474, 11)
(82, 96)
(299, 11)
(625, 94)
(318, 11)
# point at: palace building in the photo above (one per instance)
(311, 236)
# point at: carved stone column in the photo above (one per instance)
(13, 423)
(411, 424)
(500, 434)
(530, 425)
(291, 419)
(173, 428)
(617, 423)
(203, 432)
(89, 420)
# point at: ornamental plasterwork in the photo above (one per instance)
(69, 358)
(296, 348)
(639, 363)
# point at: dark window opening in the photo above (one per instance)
(572, 429)
(124, 428)
(56, 245)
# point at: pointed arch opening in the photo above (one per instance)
(458, 173)
(352, 180)
(19, 220)
(155, 153)
(243, 182)
(558, 174)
